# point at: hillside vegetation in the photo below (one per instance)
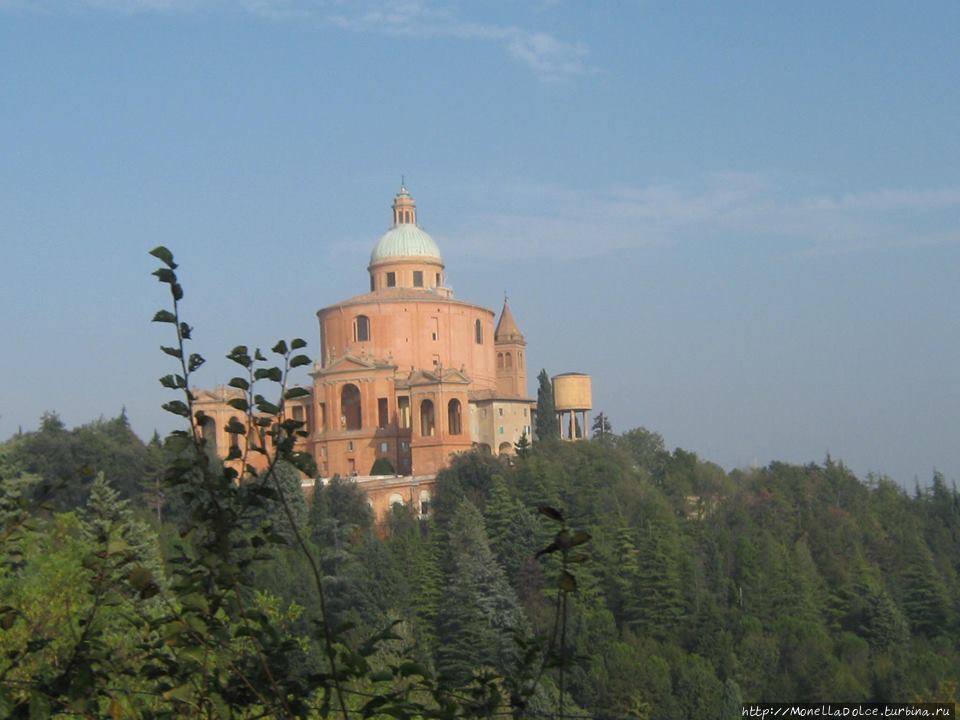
(699, 589)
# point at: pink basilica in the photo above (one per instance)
(407, 376)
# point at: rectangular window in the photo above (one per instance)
(500, 411)
(391, 279)
(384, 447)
(418, 278)
(383, 417)
(349, 445)
(438, 279)
(322, 416)
(403, 411)
(300, 415)
(436, 328)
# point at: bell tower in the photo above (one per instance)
(511, 363)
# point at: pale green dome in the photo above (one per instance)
(405, 240)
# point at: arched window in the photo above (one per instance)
(424, 502)
(209, 432)
(361, 328)
(235, 437)
(508, 360)
(520, 359)
(351, 418)
(478, 332)
(505, 448)
(499, 361)
(427, 421)
(454, 424)
(395, 499)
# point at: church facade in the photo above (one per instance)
(407, 376)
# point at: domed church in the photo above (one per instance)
(407, 375)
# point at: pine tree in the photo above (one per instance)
(515, 533)
(883, 625)
(546, 426)
(659, 602)
(129, 544)
(602, 429)
(625, 579)
(290, 484)
(522, 446)
(923, 595)
(481, 614)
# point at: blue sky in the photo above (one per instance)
(742, 219)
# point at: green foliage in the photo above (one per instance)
(70, 459)
(546, 427)
(382, 466)
(522, 446)
(480, 617)
(602, 429)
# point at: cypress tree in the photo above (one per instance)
(546, 410)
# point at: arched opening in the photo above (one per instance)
(499, 361)
(351, 417)
(235, 436)
(508, 360)
(478, 332)
(454, 422)
(395, 499)
(505, 449)
(209, 432)
(424, 503)
(427, 420)
(361, 328)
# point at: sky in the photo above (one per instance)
(742, 219)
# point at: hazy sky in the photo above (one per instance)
(743, 219)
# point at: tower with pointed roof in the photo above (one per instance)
(511, 363)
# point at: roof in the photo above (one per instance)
(387, 295)
(405, 240)
(490, 395)
(507, 329)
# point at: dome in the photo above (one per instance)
(405, 240)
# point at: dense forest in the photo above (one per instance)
(698, 590)
(608, 578)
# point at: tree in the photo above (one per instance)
(546, 426)
(478, 621)
(522, 446)
(290, 484)
(646, 448)
(602, 429)
(514, 531)
(382, 466)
